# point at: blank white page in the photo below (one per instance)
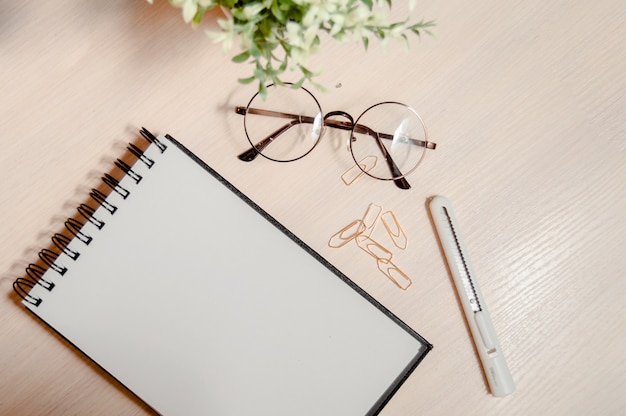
(198, 302)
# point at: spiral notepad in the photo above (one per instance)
(199, 302)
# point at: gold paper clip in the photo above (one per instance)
(393, 273)
(347, 233)
(355, 172)
(395, 231)
(373, 248)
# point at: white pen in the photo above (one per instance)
(496, 370)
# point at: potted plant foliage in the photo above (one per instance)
(279, 35)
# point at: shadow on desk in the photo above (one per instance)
(16, 405)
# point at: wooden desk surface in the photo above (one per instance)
(525, 100)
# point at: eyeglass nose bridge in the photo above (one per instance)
(340, 124)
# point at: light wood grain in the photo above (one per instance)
(525, 100)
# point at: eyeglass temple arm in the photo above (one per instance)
(359, 128)
(400, 181)
(251, 154)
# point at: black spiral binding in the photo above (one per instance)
(35, 272)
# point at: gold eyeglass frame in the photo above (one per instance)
(353, 126)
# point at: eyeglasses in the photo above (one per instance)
(288, 123)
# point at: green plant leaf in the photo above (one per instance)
(242, 57)
(299, 83)
(277, 12)
(260, 26)
(246, 81)
(262, 90)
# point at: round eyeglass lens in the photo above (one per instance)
(394, 134)
(285, 125)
